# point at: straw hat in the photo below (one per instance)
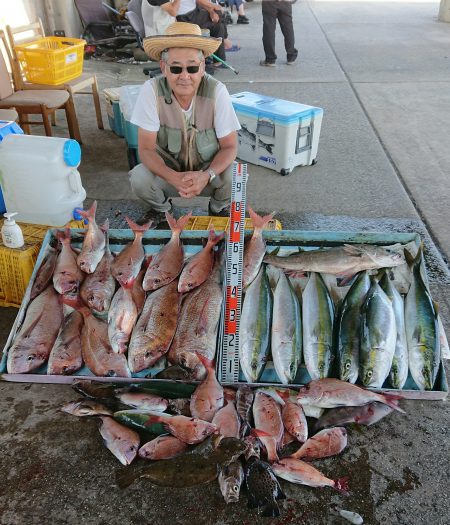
(180, 34)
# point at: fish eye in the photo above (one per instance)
(347, 365)
(235, 488)
(369, 373)
(157, 281)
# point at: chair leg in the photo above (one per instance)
(72, 121)
(45, 118)
(53, 118)
(23, 123)
(98, 110)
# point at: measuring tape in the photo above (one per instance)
(233, 276)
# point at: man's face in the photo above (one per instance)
(183, 84)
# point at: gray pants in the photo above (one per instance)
(271, 12)
(155, 191)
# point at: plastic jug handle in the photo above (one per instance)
(75, 181)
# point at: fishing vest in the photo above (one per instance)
(186, 145)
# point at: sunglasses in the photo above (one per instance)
(177, 70)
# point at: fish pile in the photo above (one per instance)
(128, 312)
(375, 336)
(183, 435)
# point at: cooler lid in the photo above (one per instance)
(276, 109)
(112, 93)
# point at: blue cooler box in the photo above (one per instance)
(112, 97)
(6, 128)
(276, 133)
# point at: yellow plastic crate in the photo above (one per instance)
(204, 222)
(16, 264)
(51, 60)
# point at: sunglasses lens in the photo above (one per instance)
(177, 70)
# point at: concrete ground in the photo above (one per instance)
(381, 71)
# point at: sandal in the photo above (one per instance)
(233, 48)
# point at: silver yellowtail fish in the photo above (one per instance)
(399, 369)
(348, 328)
(286, 330)
(339, 260)
(318, 320)
(378, 337)
(255, 326)
(422, 330)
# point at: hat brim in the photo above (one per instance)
(155, 45)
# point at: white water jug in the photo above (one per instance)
(39, 179)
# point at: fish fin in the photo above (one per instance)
(137, 227)
(275, 251)
(125, 477)
(152, 419)
(259, 221)
(345, 279)
(341, 485)
(203, 321)
(283, 393)
(105, 226)
(90, 213)
(295, 274)
(391, 401)
(259, 433)
(436, 309)
(207, 363)
(356, 251)
(271, 510)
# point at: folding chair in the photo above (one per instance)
(77, 86)
(33, 102)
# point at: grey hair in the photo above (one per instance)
(165, 55)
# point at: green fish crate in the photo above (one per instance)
(153, 241)
(289, 241)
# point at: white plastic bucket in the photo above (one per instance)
(39, 178)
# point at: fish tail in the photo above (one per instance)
(391, 400)
(341, 485)
(207, 363)
(137, 227)
(214, 239)
(180, 224)
(259, 221)
(271, 510)
(90, 213)
(124, 478)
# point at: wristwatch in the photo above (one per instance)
(212, 175)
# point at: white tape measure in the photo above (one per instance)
(233, 276)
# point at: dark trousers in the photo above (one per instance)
(271, 12)
(216, 29)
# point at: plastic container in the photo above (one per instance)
(51, 60)
(112, 97)
(39, 178)
(6, 128)
(205, 222)
(12, 236)
(16, 265)
(276, 133)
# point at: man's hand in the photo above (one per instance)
(193, 183)
(214, 15)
